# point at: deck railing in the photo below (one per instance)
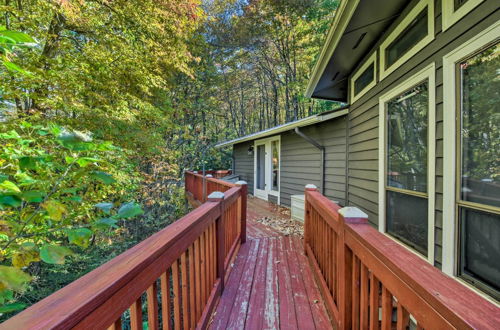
(369, 281)
(178, 274)
(199, 187)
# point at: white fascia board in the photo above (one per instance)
(285, 127)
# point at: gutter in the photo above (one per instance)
(322, 160)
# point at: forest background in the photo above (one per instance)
(104, 104)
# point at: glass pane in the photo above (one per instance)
(407, 219)
(407, 139)
(261, 167)
(480, 129)
(364, 79)
(480, 247)
(413, 33)
(276, 165)
(458, 3)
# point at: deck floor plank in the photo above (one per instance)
(271, 285)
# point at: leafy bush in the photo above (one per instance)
(60, 192)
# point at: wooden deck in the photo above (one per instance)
(271, 285)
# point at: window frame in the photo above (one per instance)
(414, 12)
(452, 16)
(359, 72)
(451, 154)
(428, 73)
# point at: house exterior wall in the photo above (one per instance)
(300, 161)
(243, 163)
(363, 114)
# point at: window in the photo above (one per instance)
(471, 161)
(407, 167)
(479, 170)
(410, 36)
(406, 162)
(416, 31)
(454, 10)
(364, 79)
(276, 165)
(261, 167)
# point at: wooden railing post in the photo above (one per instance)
(244, 195)
(218, 196)
(205, 187)
(307, 220)
(344, 262)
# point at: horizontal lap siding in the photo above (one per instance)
(363, 114)
(300, 161)
(243, 163)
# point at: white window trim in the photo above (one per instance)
(428, 73)
(399, 29)
(371, 59)
(450, 16)
(450, 253)
(270, 192)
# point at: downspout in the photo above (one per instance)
(322, 160)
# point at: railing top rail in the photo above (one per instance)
(221, 182)
(458, 304)
(71, 304)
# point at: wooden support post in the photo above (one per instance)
(344, 262)
(244, 196)
(218, 197)
(307, 221)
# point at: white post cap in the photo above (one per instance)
(311, 186)
(216, 195)
(209, 176)
(241, 183)
(352, 212)
(195, 172)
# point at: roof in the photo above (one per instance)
(288, 126)
(356, 28)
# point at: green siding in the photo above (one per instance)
(243, 163)
(363, 114)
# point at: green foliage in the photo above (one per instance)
(52, 178)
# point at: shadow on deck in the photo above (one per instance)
(271, 285)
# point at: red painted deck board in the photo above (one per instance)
(271, 285)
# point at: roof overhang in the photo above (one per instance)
(357, 27)
(286, 127)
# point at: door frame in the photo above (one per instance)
(264, 194)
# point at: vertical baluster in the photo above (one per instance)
(374, 302)
(177, 295)
(192, 287)
(197, 277)
(211, 253)
(355, 292)
(207, 264)
(165, 300)
(403, 318)
(203, 272)
(386, 309)
(330, 261)
(334, 266)
(364, 297)
(185, 296)
(136, 315)
(153, 319)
